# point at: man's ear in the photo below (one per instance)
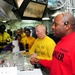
(68, 26)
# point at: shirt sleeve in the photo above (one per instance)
(72, 57)
(7, 47)
(50, 49)
(46, 63)
(32, 50)
(21, 46)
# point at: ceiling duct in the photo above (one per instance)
(10, 2)
(6, 11)
(3, 15)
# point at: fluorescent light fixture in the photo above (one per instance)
(18, 2)
(28, 21)
(4, 21)
(45, 18)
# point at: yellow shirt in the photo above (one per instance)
(28, 40)
(43, 48)
(23, 35)
(4, 38)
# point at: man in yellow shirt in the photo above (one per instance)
(4, 37)
(43, 46)
(28, 40)
(22, 33)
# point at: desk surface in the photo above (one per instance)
(21, 62)
(14, 71)
(33, 72)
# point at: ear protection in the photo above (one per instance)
(65, 21)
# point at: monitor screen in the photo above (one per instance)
(30, 10)
(34, 10)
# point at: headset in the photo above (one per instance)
(65, 21)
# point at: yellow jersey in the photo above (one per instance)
(43, 48)
(28, 40)
(5, 37)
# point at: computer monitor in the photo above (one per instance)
(30, 10)
(34, 10)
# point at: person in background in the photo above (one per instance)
(43, 46)
(10, 46)
(9, 32)
(22, 33)
(4, 37)
(63, 60)
(56, 39)
(17, 32)
(28, 40)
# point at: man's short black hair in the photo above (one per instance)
(2, 27)
(27, 30)
(17, 36)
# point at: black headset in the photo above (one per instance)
(65, 22)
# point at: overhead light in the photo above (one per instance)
(4, 21)
(45, 18)
(18, 2)
(28, 21)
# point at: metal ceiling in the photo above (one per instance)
(5, 11)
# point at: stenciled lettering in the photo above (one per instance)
(58, 55)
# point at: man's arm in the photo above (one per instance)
(46, 63)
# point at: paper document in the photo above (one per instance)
(32, 72)
(15, 43)
(8, 70)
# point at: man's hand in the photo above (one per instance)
(12, 46)
(34, 59)
(2, 61)
(33, 56)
